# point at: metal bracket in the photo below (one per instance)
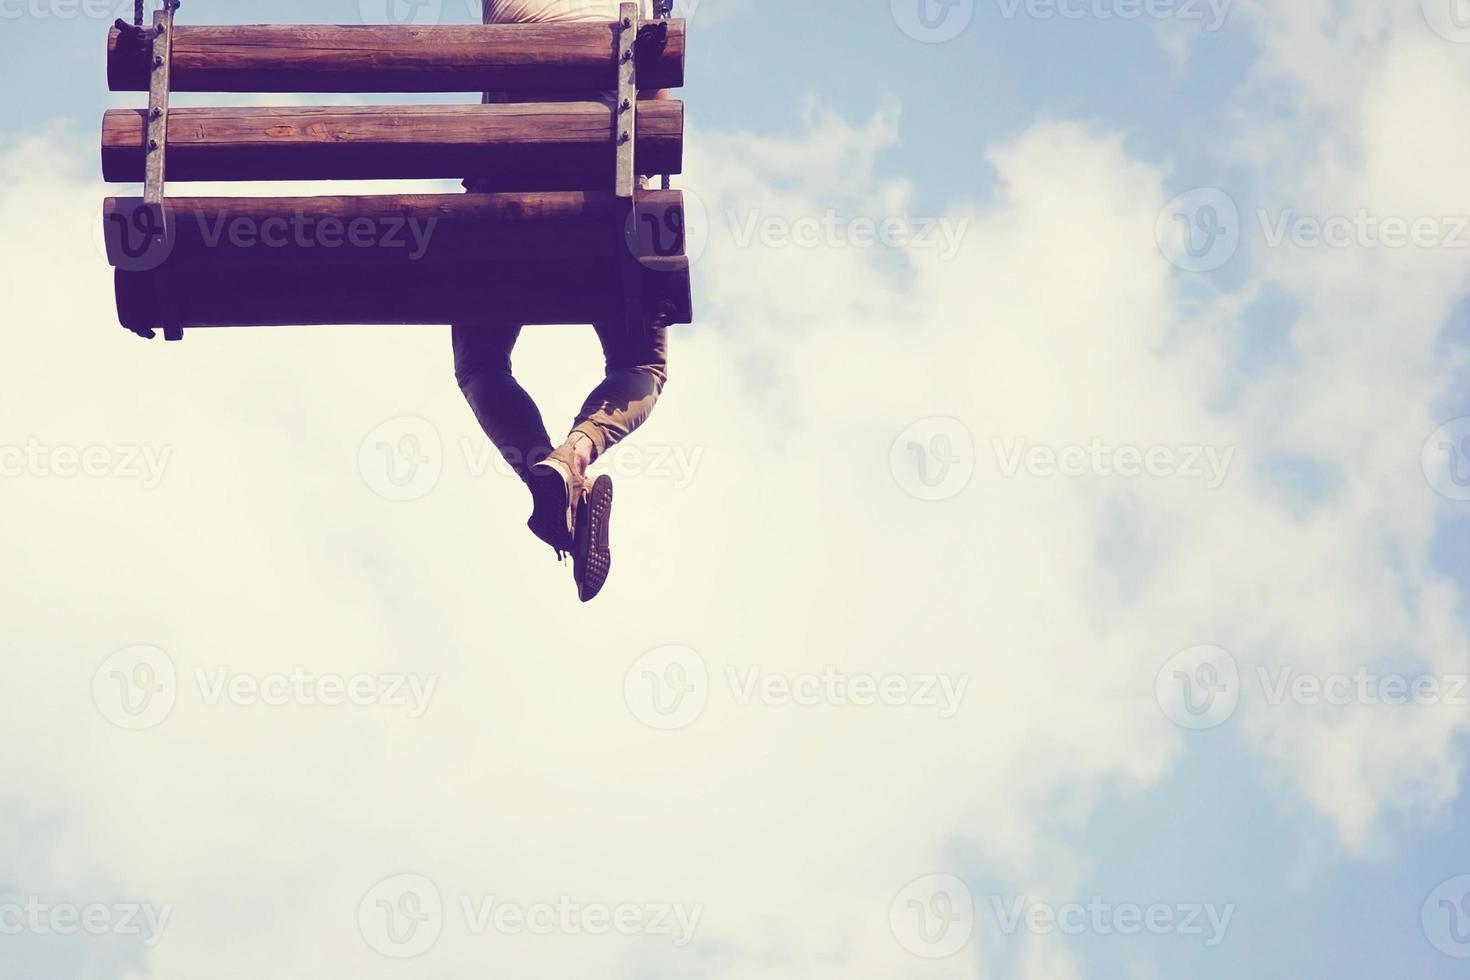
(156, 149)
(625, 179)
(625, 112)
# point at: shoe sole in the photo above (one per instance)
(592, 561)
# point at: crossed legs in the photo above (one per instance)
(635, 374)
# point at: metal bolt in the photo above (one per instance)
(627, 22)
(158, 61)
(627, 104)
(627, 56)
(625, 137)
(155, 113)
(153, 145)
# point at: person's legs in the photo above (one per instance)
(511, 419)
(637, 370)
(509, 416)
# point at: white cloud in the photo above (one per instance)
(794, 548)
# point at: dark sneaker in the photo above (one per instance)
(556, 489)
(591, 555)
(550, 510)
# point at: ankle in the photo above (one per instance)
(581, 447)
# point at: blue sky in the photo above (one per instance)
(1326, 829)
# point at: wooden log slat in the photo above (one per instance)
(392, 58)
(393, 230)
(563, 291)
(523, 146)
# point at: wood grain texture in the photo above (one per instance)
(383, 58)
(519, 146)
(395, 230)
(561, 291)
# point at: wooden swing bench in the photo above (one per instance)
(563, 231)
